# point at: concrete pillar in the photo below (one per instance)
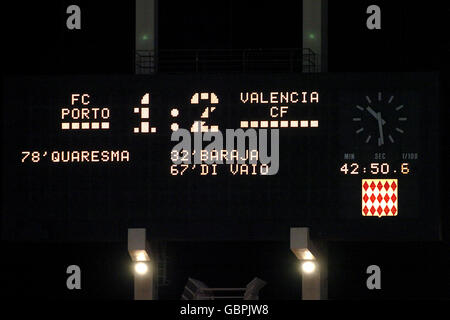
(314, 284)
(146, 40)
(311, 285)
(139, 250)
(315, 30)
(144, 288)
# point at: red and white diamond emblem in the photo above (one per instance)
(381, 199)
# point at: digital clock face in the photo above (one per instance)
(236, 157)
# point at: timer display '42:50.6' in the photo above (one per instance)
(375, 168)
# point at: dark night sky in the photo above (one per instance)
(38, 42)
(414, 38)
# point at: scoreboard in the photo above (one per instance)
(353, 156)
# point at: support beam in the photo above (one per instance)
(314, 283)
(143, 266)
(311, 285)
(146, 36)
(143, 284)
(315, 30)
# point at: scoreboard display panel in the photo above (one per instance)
(353, 156)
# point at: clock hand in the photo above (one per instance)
(374, 114)
(380, 128)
